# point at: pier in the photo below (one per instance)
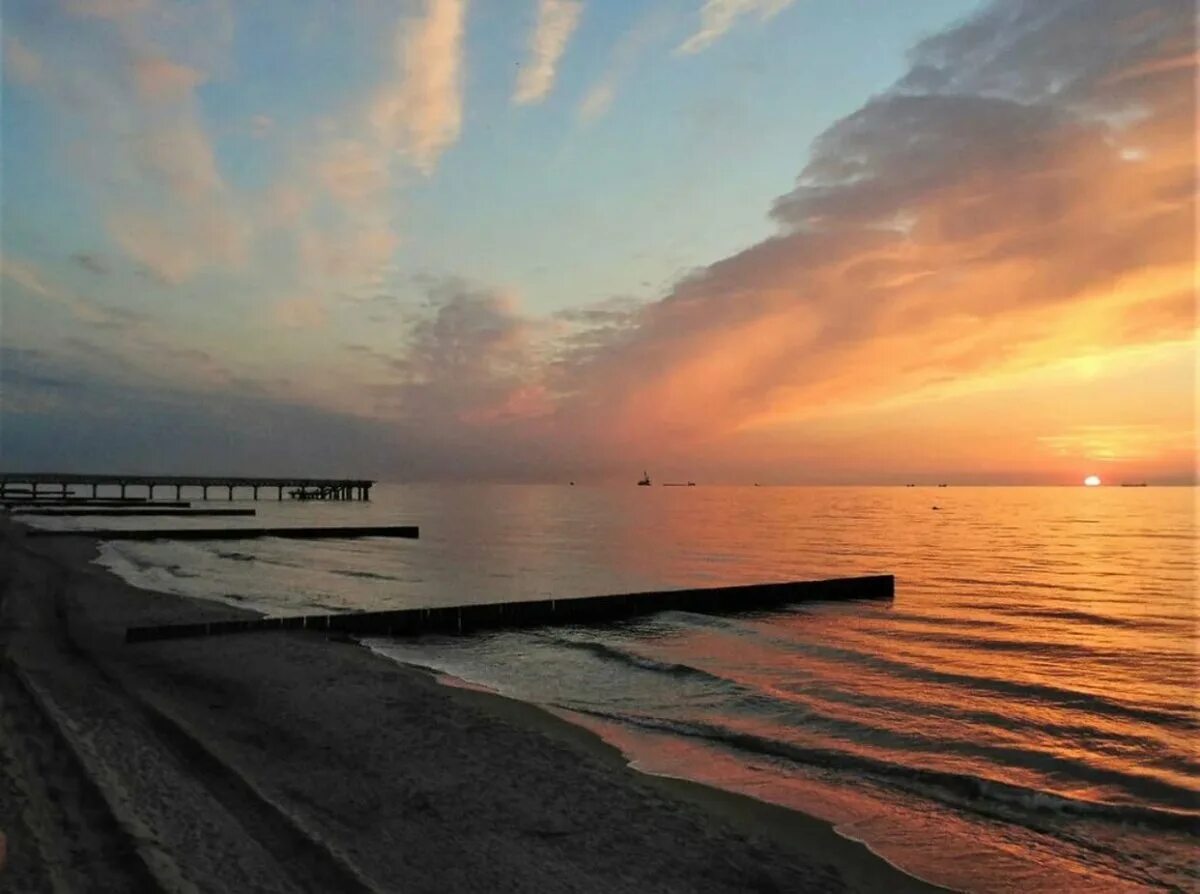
(411, 532)
(463, 619)
(48, 485)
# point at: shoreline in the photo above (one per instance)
(249, 735)
(810, 835)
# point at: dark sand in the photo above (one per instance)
(291, 762)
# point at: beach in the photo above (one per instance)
(293, 762)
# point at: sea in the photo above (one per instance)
(1022, 716)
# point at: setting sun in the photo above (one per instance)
(1092, 480)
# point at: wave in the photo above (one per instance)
(1183, 716)
(235, 555)
(350, 572)
(140, 566)
(1178, 717)
(997, 644)
(950, 621)
(1140, 623)
(641, 662)
(1018, 582)
(816, 714)
(992, 797)
(114, 556)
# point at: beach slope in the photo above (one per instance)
(290, 762)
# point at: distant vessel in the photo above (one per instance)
(943, 485)
(645, 482)
(673, 483)
(1139, 484)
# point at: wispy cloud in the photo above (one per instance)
(718, 16)
(421, 112)
(652, 27)
(20, 62)
(556, 22)
(134, 130)
(597, 101)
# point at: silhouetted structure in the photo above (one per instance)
(51, 485)
(544, 612)
(153, 510)
(293, 533)
(130, 503)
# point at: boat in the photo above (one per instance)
(645, 481)
(677, 483)
(1138, 484)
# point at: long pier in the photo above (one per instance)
(35, 485)
(411, 532)
(462, 619)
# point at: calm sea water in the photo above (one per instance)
(1023, 716)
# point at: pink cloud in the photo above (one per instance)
(159, 78)
(21, 63)
(556, 22)
(420, 113)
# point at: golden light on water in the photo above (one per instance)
(1092, 480)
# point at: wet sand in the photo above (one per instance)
(292, 762)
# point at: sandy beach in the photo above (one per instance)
(292, 762)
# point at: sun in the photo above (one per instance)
(1092, 480)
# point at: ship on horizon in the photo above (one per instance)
(645, 480)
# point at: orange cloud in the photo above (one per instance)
(1009, 205)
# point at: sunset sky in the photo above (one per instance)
(783, 241)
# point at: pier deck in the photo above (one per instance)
(67, 485)
(463, 619)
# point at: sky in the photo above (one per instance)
(781, 241)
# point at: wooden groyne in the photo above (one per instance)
(342, 533)
(463, 619)
(101, 502)
(71, 485)
(146, 510)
